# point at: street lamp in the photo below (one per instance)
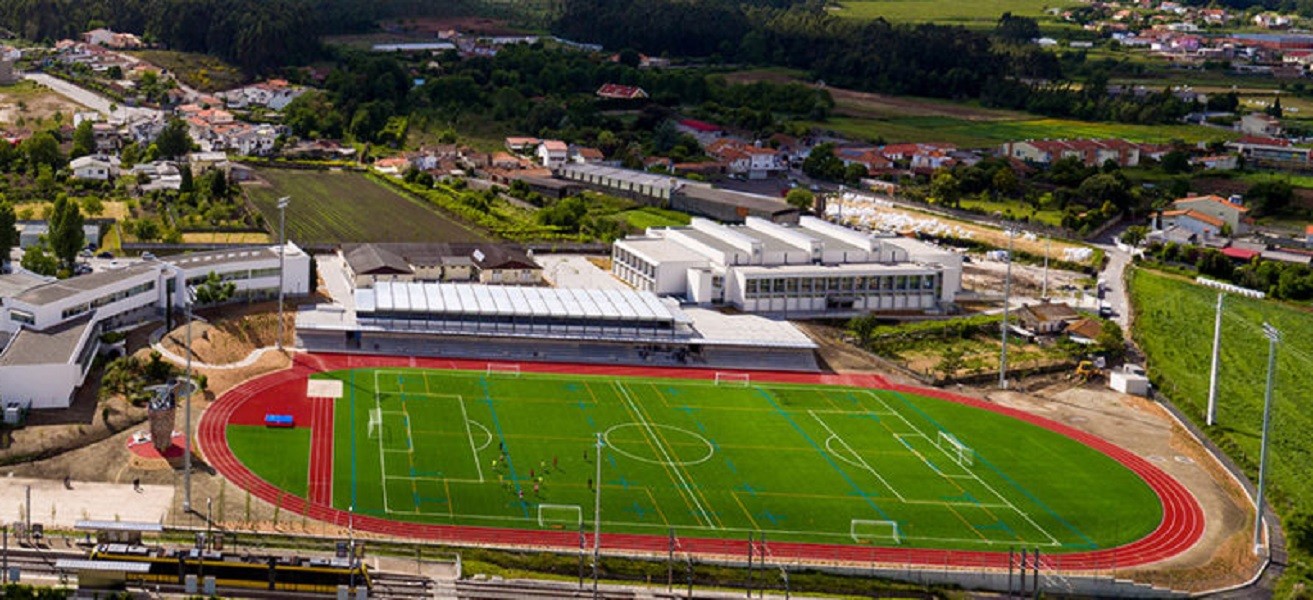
(1007, 302)
(597, 515)
(186, 411)
(1273, 338)
(282, 249)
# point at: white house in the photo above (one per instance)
(553, 153)
(97, 168)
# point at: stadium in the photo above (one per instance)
(825, 467)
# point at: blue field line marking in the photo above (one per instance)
(767, 515)
(610, 458)
(591, 424)
(426, 499)
(998, 525)
(730, 465)
(415, 496)
(352, 405)
(622, 482)
(860, 492)
(964, 497)
(412, 471)
(510, 464)
(581, 405)
(637, 510)
(701, 427)
(747, 487)
(1000, 473)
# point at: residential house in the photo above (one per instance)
(159, 175)
(740, 158)
(584, 155)
(1259, 124)
(395, 166)
(522, 145)
(1228, 212)
(1217, 162)
(485, 263)
(1046, 318)
(274, 94)
(1308, 236)
(553, 153)
(111, 39)
(615, 91)
(95, 168)
(1272, 21)
(106, 137)
(871, 158)
(1084, 331)
(702, 131)
(1202, 225)
(1091, 153)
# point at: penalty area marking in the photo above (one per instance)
(711, 450)
(487, 434)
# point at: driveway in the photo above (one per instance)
(88, 98)
(1114, 273)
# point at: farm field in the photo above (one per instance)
(1174, 327)
(989, 133)
(982, 13)
(798, 462)
(330, 207)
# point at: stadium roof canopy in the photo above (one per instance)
(513, 301)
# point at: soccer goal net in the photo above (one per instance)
(504, 369)
(738, 379)
(560, 516)
(375, 422)
(864, 531)
(961, 453)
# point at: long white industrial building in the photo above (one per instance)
(814, 268)
(50, 329)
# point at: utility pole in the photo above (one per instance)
(1273, 338)
(670, 563)
(1212, 378)
(1045, 293)
(186, 411)
(750, 571)
(1007, 302)
(597, 516)
(282, 249)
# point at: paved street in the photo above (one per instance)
(88, 98)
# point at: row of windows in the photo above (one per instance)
(808, 286)
(107, 299)
(22, 316)
(625, 258)
(235, 276)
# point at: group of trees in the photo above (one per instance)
(1286, 281)
(57, 252)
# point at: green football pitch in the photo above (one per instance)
(718, 459)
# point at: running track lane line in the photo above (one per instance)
(1181, 527)
(321, 452)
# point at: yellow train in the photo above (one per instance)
(281, 573)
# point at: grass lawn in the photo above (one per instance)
(805, 463)
(1017, 208)
(978, 13)
(1174, 326)
(651, 216)
(287, 468)
(330, 207)
(980, 134)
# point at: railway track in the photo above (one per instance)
(400, 587)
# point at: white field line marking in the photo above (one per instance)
(657, 442)
(1023, 514)
(864, 464)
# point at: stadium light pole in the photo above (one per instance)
(1211, 417)
(597, 515)
(282, 249)
(1273, 338)
(186, 410)
(1007, 302)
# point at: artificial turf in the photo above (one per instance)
(798, 462)
(280, 456)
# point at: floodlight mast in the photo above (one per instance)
(1007, 302)
(1273, 338)
(282, 250)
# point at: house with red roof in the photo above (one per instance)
(553, 153)
(615, 91)
(753, 161)
(1219, 209)
(1202, 224)
(1091, 153)
(1308, 236)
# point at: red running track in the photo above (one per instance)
(321, 451)
(1181, 527)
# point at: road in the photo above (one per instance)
(88, 98)
(1114, 273)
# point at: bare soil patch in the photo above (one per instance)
(870, 105)
(233, 336)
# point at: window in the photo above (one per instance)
(791, 286)
(22, 316)
(751, 288)
(779, 286)
(806, 283)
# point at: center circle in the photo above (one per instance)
(631, 441)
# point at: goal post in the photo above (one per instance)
(962, 454)
(867, 531)
(504, 369)
(560, 516)
(736, 379)
(375, 422)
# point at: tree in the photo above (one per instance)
(1274, 110)
(38, 260)
(84, 140)
(8, 231)
(214, 290)
(1299, 531)
(822, 163)
(42, 149)
(946, 189)
(863, 328)
(146, 230)
(950, 362)
(66, 236)
(1176, 161)
(1111, 341)
(174, 141)
(1270, 197)
(92, 205)
(801, 198)
(1016, 30)
(1134, 235)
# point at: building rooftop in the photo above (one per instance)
(56, 345)
(221, 257)
(466, 299)
(56, 291)
(14, 284)
(662, 250)
(630, 175)
(763, 204)
(718, 328)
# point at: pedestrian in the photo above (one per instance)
(501, 447)
(535, 489)
(136, 484)
(68, 482)
(530, 473)
(553, 462)
(521, 493)
(590, 483)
